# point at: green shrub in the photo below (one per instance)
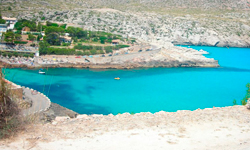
(234, 102)
(60, 51)
(247, 96)
(108, 49)
(26, 55)
(65, 44)
(121, 46)
(15, 54)
(86, 53)
(31, 55)
(79, 53)
(10, 54)
(20, 42)
(98, 47)
(93, 52)
(100, 52)
(132, 113)
(33, 44)
(4, 54)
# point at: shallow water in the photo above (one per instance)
(144, 90)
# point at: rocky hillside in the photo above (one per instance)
(200, 22)
(129, 4)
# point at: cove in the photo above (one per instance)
(88, 91)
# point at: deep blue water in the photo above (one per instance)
(144, 90)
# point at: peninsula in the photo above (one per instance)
(166, 55)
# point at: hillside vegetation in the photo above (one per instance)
(199, 22)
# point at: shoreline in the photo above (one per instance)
(94, 66)
(163, 55)
(224, 46)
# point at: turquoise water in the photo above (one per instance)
(144, 90)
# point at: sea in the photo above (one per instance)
(95, 91)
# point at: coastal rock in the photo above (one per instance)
(59, 119)
(248, 104)
(82, 116)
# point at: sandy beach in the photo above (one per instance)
(226, 128)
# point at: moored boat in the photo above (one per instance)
(41, 72)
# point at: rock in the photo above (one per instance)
(248, 104)
(82, 116)
(54, 123)
(59, 119)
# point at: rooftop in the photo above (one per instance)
(3, 25)
(6, 18)
(115, 40)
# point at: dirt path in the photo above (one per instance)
(216, 129)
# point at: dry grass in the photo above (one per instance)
(10, 119)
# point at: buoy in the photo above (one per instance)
(117, 78)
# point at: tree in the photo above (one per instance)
(39, 37)
(39, 27)
(48, 23)
(2, 21)
(63, 26)
(103, 39)
(18, 37)
(9, 37)
(43, 47)
(81, 34)
(31, 37)
(25, 23)
(52, 39)
(76, 32)
(71, 31)
(52, 29)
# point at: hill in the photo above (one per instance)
(200, 22)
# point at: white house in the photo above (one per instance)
(3, 29)
(10, 22)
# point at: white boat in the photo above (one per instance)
(41, 72)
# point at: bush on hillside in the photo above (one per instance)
(9, 114)
(60, 51)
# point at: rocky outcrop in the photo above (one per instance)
(56, 110)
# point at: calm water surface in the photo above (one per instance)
(144, 90)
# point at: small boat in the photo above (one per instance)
(41, 72)
(117, 78)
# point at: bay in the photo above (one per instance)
(89, 91)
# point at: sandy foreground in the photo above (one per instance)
(212, 128)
